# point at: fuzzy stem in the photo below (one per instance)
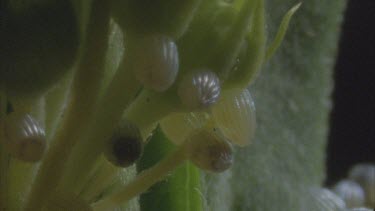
(117, 97)
(143, 181)
(85, 89)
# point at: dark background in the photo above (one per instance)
(352, 134)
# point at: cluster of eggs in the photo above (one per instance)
(356, 193)
(204, 73)
(359, 188)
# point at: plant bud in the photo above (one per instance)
(170, 17)
(209, 151)
(24, 137)
(199, 90)
(155, 60)
(40, 42)
(125, 145)
(349, 191)
(234, 114)
(364, 175)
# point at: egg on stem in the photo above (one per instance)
(24, 137)
(209, 150)
(235, 115)
(155, 60)
(199, 89)
(351, 192)
(326, 199)
(205, 148)
(364, 175)
(125, 145)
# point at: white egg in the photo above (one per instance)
(364, 175)
(327, 200)
(209, 150)
(155, 61)
(24, 137)
(235, 116)
(178, 126)
(199, 89)
(351, 192)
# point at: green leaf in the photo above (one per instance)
(180, 191)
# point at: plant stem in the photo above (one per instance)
(119, 94)
(103, 177)
(148, 109)
(143, 181)
(85, 89)
(55, 104)
(4, 155)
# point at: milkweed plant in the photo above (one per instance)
(84, 85)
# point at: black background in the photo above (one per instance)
(352, 134)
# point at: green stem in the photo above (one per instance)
(143, 181)
(103, 177)
(148, 109)
(4, 156)
(55, 101)
(119, 94)
(21, 175)
(85, 89)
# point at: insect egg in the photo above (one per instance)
(350, 192)
(326, 199)
(209, 150)
(200, 89)
(156, 61)
(364, 174)
(234, 113)
(24, 137)
(125, 145)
